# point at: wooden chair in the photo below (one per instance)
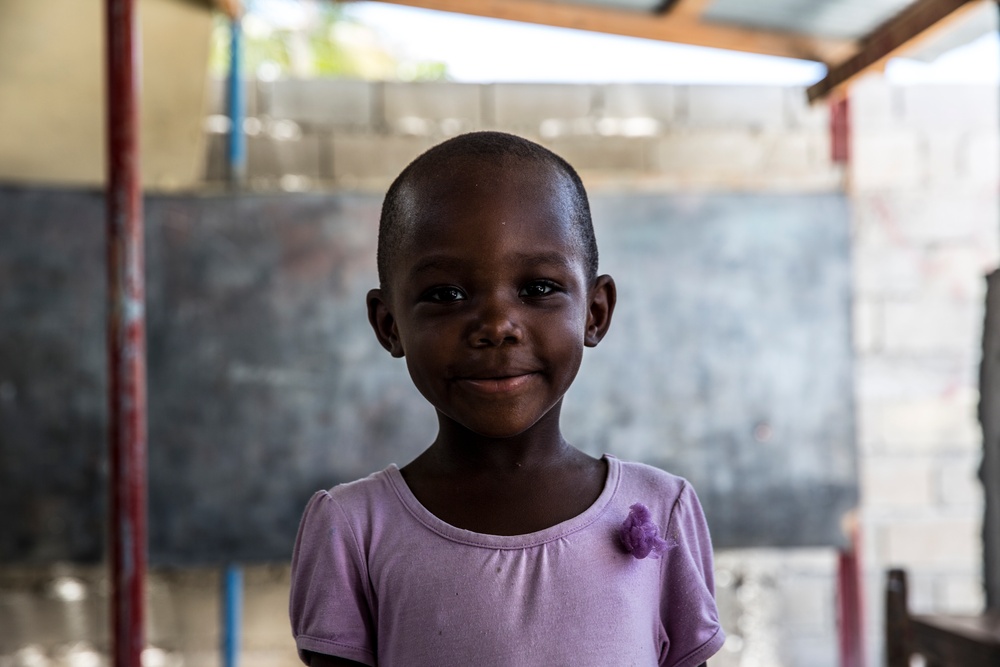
(943, 641)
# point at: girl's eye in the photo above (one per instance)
(537, 288)
(444, 295)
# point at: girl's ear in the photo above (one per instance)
(603, 296)
(383, 323)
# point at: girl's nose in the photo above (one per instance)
(496, 323)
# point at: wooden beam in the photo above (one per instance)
(232, 8)
(689, 8)
(914, 24)
(677, 25)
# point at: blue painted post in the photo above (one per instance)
(237, 106)
(232, 615)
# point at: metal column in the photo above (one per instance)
(850, 599)
(126, 338)
(237, 105)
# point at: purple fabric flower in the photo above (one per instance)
(639, 535)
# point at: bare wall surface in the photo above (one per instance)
(52, 85)
(729, 362)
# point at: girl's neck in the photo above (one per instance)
(457, 449)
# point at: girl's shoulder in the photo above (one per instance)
(639, 478)
(363, 497)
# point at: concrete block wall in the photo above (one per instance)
(924, 187)
(360, 135)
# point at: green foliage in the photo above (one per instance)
(331, 46)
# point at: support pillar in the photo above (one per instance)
(126, 338)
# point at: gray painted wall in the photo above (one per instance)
(729, 362)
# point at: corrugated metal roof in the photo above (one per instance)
(850, 36)
(848, 19)
(835, 19)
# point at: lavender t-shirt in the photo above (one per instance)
(377, 578)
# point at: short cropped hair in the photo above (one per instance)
(487, 146)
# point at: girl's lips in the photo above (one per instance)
(498, 385)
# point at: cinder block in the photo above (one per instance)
(943, 162)
(331, 103)
(272, 658)
(195, 614)
(945, 543)
(524, 106)
(217, 96)
(886, 159)
(957, 271)
(889, 482)
(734, 107)
(928, 425)
(795, 153)
(722, 152)
(868, 428)
(958, 594)
(802, 115)
(958, 483)
(732, 158)
(980, 160)
(445, 108)
(867, 325)
(903, 219)
(949, 106)
(807, 605)
(215, 158)
(264, 622)
(932, 325)
(880, 377)
(809, 651)
(602, 154)
(273, 158)
(655, 101)
(875, 105)
(373, 160)
(886, 271)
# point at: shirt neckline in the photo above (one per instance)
(456, 534)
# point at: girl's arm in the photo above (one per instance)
(322, 660)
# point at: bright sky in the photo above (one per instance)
(483, 50)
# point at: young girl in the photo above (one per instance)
(501, 544)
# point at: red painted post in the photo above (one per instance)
(850, 603)
(126, 338)
(840, 130)
(850, 598)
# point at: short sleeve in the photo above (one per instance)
(330, 604)
(689, 614)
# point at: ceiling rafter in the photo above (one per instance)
(914, 24)
(689, 8)
(678, 24)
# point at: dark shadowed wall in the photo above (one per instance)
(729, 362)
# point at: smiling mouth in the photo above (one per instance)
(497, 385)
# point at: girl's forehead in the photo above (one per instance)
(474, 190)
(494, 213)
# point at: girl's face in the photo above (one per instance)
(489, 301)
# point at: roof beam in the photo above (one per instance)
(915, 23)
(678, 25)
(688, 8)
(232, 8)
